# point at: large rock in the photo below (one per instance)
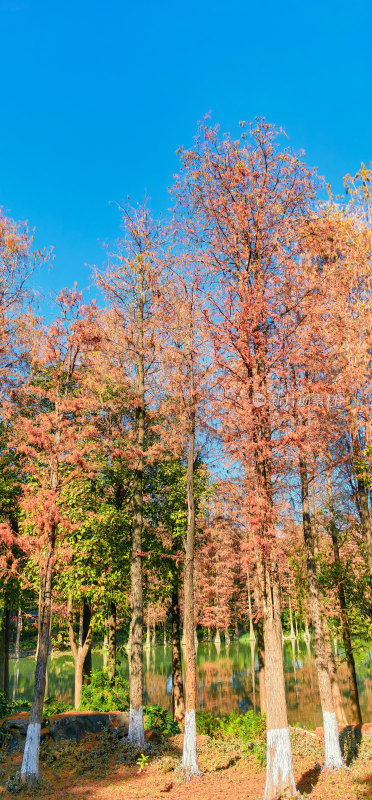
(73, 727)
(15, 729)
(120, 724)
(18, 723)
(66, 727)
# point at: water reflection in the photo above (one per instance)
(227, 679)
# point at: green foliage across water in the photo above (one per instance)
(104, 693)
(8, 707)
(54, 706)
(5, 706)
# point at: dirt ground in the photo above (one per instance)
(100, 769)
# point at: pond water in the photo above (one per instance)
(226, 680)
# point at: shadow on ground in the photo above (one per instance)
(309, 780)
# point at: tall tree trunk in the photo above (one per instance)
(189, 756)
(178, 702)
(261, 664)
(136, 732)
(80, 647)
(4, 650)
(353, 686)
(15, 680)
(260, 648)
(279, 762)
(366, 523)
(360, 489)
(112, 641)
(39, 617)
(87, 666)
(333, 756)
(19, 630)
(251, 629)
(253, 672)
(293, 644)
(105, 644)
(30, 761)
(292, 633)
(79, 669)
(331, 665)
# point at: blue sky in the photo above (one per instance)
(97, 96)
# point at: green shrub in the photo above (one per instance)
(208, 724)
(160, 719)
(104, 694)
(249, 728)
(53, 706)
(5, 706)
(8, 707)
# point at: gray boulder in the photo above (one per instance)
(73, 727)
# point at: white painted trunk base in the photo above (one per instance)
(279, 763)
(332, 749)
(189, 759)
(30, 761)
(136, 731)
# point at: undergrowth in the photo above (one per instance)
(247, 729)
(104, 693)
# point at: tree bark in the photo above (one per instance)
(136, 732)
(331, 664)
(178, 702)
(260, 648)
(4, 651)
(79, 670)
(38, 619)
(361, 490)
(30, 761)
(366, 523)
(251, 629)
(292, 633)
(189, 756)
(261, 664)
(279, 762)
(87, 665)
(112, 641)
(105, 645)
(80, 647)
(353, 686)
(19, 630)
(333, 756)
